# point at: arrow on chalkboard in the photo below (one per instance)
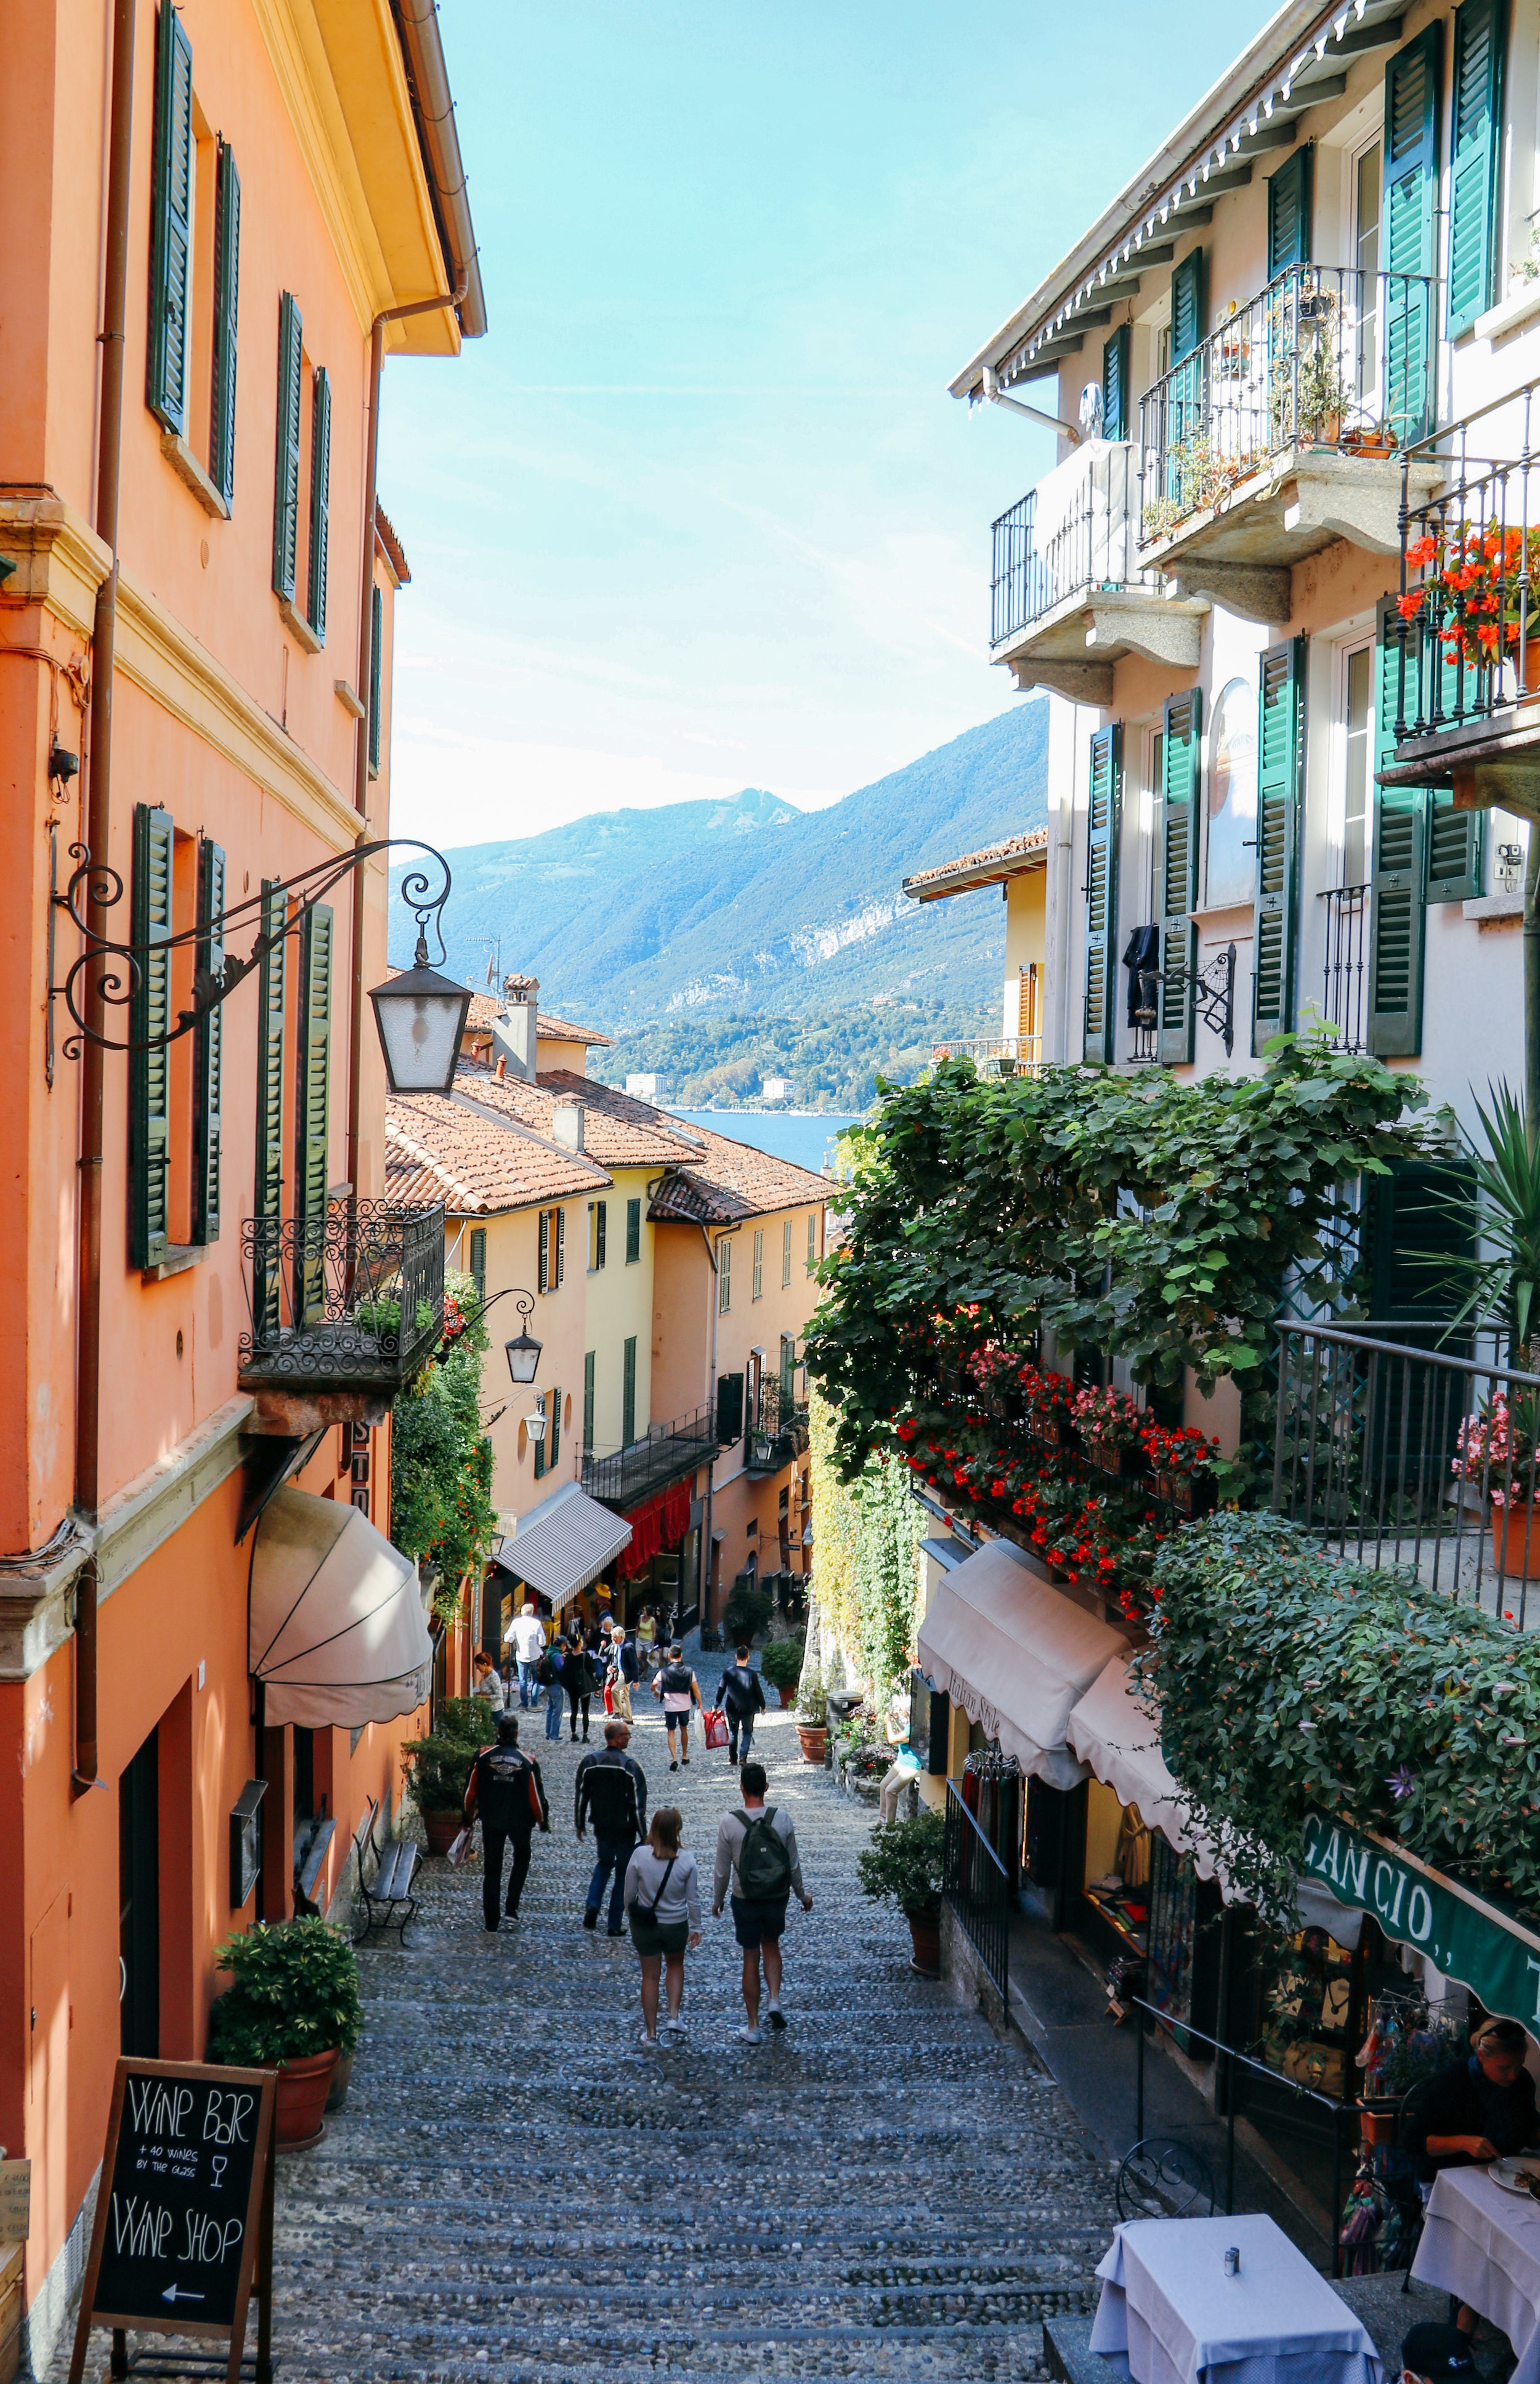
(180, 2293)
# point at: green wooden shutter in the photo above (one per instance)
(1398, 876)
(628, 1394)
(561, 1249)
(313, 1113)
(227, 292)
(1475, 143)
(1114, 384)
(553, 1429)
(285, 474)
(478, 1262)
(1178, 873)
(1456, 851)
(600, 1227)
(1186, 305)
(320, 497)
(209, 1063)
(1288, 212)
(170, 223)
(1409, 226)
(1103, 809)
(377, 638)
(589, 1358)
(268, 1186)
(150, 1061)
(1420, 1212)
(633, 1232)
(1280, 737)
(729, 1409)
(543, 1407)
(542, 1276)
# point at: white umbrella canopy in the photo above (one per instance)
(338, 1632)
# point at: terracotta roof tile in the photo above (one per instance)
(476, 1165)
(1006, 860)
(733, 1180)
(617, 1133)
(486, 1009)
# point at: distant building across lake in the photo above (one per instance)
(648, 1087)
(777, 1089)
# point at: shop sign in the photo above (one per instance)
(1466, 1939)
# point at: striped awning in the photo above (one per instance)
(563, 1543)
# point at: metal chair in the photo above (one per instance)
(1163, 2179)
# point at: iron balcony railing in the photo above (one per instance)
(351, 1300)
(1402, 1445)
(1470, 597)
(1344, 1000)
(996, 1055)
(1324, 356)
(1074, 532)
(778, 1432)
(670, 1451)
(977, 1886)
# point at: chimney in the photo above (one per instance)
(566, 1125)
(514, 1034)
(503, 1063)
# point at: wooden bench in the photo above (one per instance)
(390, 1892)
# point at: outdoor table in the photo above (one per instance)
(1169, 2313)
(1482, 2244)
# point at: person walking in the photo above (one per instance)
(579, 1679)
(487, 1683)
(611, 1792)
(663, 1896)
(627, 1670)
(756, 1852)
(740, 1696)
(552, 1665)
(527, 1633)
(678, 1690)
(506, 1792)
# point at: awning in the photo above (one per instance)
(565, 1543)
(338, 1633)
(656, 1525)
(1016, 1655)
(1110, 1732)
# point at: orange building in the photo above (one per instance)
(215, 222)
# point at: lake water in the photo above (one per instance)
(804, 1136)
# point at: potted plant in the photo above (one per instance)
(781, 1667)
(902, 1865)
(1109, 1423)
(438, 1768)
(812, 1734)
(293, 2005)
(1498, 1448)
(1480, 587)
(1181, 1461)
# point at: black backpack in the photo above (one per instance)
(764, 1864)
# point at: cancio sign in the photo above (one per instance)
(1466, 1939)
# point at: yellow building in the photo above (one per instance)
(1019, 867)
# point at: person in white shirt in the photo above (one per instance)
(527, 1634)
(663, 1896)
(757, 1859)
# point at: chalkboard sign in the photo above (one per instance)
(184, 2205)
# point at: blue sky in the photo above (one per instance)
(699, 513)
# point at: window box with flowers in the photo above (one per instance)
(1480, 590)
(1182, 1462)
(1109, 1423)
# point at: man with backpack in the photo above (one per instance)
(612, 1791)
(756, 1851)
(740, 1696)
(506, 1791)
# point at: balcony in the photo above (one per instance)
(1284, 430)
(644, 1467)
(1068, 595)
(996, 1055)
(343, 1308)
(778, 1435)
(1345, 994)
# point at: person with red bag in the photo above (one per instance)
(742, 1697)
(506, 1791)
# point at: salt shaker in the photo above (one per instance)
(1231, 2261)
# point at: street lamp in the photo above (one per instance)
(420, 1017)
(522, 1352)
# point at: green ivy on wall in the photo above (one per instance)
(866, 1534)
(441, 1509)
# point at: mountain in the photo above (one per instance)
(750, 906)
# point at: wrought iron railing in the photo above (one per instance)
(670, 1452)
(1401, 1445)
(1344, 1002)
(1469, 636)
(352, 1300)
(977, 1886)
(1074, 532)
(996, 1055)
(1324, 356)
(778, 1432)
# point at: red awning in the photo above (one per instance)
(656, 1525)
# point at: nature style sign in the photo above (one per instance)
(1466, 1939)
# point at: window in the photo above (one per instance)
(1181, 744)
(629, 1393)
(724, 1276)
(1358, 697)
(758, 1292)
(312, 1107)
(598, 1220)
(542, 1453)
(1475, 159)
(271, 1046)
(633, 1232)
(1366, 262)
(289, 474)
(377, 641)
(175, 1092)
(1288, 212)
(1103, 814)
(785, 1253)
(553, 1428)
(194, 278)
(1273, 919)
(588, 1402)
(812, 1239)
(478, 1262)
(1186, 305)
(553, 1250)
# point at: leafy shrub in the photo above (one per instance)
(294, 1993)
(781, 1664)
(812, 1706)
(441, 1506)
(748, 1611)
(903, 1864)
(439, 1770)
(467, 1720)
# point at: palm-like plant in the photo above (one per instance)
(1502, 1272)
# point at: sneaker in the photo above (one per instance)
(750, 2035)
(684, 1759)
(590, 1919)
(647, 2043)
(673, 1766)
(674, 2027)
(776, 2016)
(614, 1932)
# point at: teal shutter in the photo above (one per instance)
(1474, 149)
(1288, 212)
(1398, 876)
(1280, 738)
(601, 1228)
(268, 1186)
(286, 474)
(553, 1430)
(170, 223)
(377, 638)
(542, 1277)
(633, 1232)
(478, 1262)
(1456, 851)
(589, 1362)
(543, 1407)
(628, 1394)
(1186, 305)
(1408, 227)
(1177, 879)
(209, 1062)
(561, 1248)
(150, 1060)
(320, 497)
(227, 294)
(1114, 384)
(313, 1113)
(1103, 808)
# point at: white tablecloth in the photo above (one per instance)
(1483, 2244)
(1169, 2313)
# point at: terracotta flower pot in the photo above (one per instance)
(1516, 1540)
(925, 1928)
(813, 1742)
(303, 2087)
(342, 2078)
(788, 1698)
(442, 1830)
(1377, 2126)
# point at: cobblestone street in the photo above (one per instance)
(518, 2187)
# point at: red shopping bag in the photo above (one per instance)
(609, 1698)
(715, 1725)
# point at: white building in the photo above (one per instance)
(777, 1089)
(648, 1087)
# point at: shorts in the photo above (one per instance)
(658, 1936)
(757, 1919)
(677, 1717)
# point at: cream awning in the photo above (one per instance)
(563, 1543)
(338, 1633)
(1116, 1739)
(1016, 1655)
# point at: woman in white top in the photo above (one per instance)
(663, 1896)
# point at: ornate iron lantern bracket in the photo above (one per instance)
(1214, 991)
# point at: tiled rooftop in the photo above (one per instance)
(984, 867)
(486, 1009)
(452, 1150)
(731, 1180)
(617, 1132)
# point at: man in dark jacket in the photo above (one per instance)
(742, 1697)
(611, 1792)
(508, 1793)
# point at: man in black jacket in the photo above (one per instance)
(742, 1697)
(612, 1791)
(508, 1793)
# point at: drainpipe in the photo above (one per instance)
(88, 1369)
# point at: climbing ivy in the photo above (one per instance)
(866, 1534)
(441, 1506)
